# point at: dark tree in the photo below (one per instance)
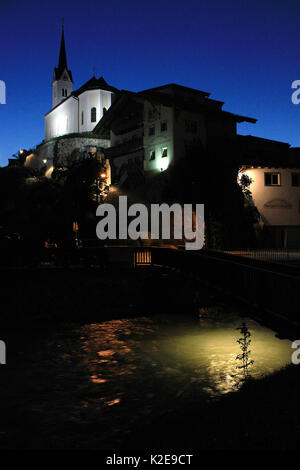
(243, 357)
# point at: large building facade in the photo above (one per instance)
(154, 128)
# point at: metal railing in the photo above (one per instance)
(274, 255)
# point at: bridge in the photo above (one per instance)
(270, 288)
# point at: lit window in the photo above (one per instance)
(295, 179)
(152, 130)
(152, 155)
(272, 179)
(164, 152)
(93, 115)
(163, 126)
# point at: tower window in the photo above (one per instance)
(64, 92)
(82, 118)
(93, 115)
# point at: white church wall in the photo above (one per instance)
(62, 120)
(87, 101)
(106, 97)
(92, 99)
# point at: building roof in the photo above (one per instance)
(174, 87)
(179, 96)
(62, 62)
(258, 152)
(95, 84)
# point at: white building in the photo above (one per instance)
(276, 195)
(75, 111)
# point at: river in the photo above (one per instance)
(88, 385)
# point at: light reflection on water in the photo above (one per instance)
(132, 357)
(91, 385)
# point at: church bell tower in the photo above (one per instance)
(62, 83)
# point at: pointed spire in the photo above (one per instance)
(62, 64)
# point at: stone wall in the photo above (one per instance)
(64, 148)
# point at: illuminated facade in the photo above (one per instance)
(274, 172)
(151, 129)
(75, 111)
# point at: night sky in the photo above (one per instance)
(246, 53)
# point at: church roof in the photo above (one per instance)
(95, 84)
(62, 63)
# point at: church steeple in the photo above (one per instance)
(62, 83)
(62, 64)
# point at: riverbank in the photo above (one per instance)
(94, 294)
(263, 415)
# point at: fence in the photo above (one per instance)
(268, 285)
(278, 256)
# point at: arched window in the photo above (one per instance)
(93, 115)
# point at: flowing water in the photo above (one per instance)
(93, 382)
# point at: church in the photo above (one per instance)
(79, 110)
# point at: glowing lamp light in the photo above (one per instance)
(45, 160)
(103, 175)
(21, 151)
(164, 163)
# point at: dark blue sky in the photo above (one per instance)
(246, 53)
